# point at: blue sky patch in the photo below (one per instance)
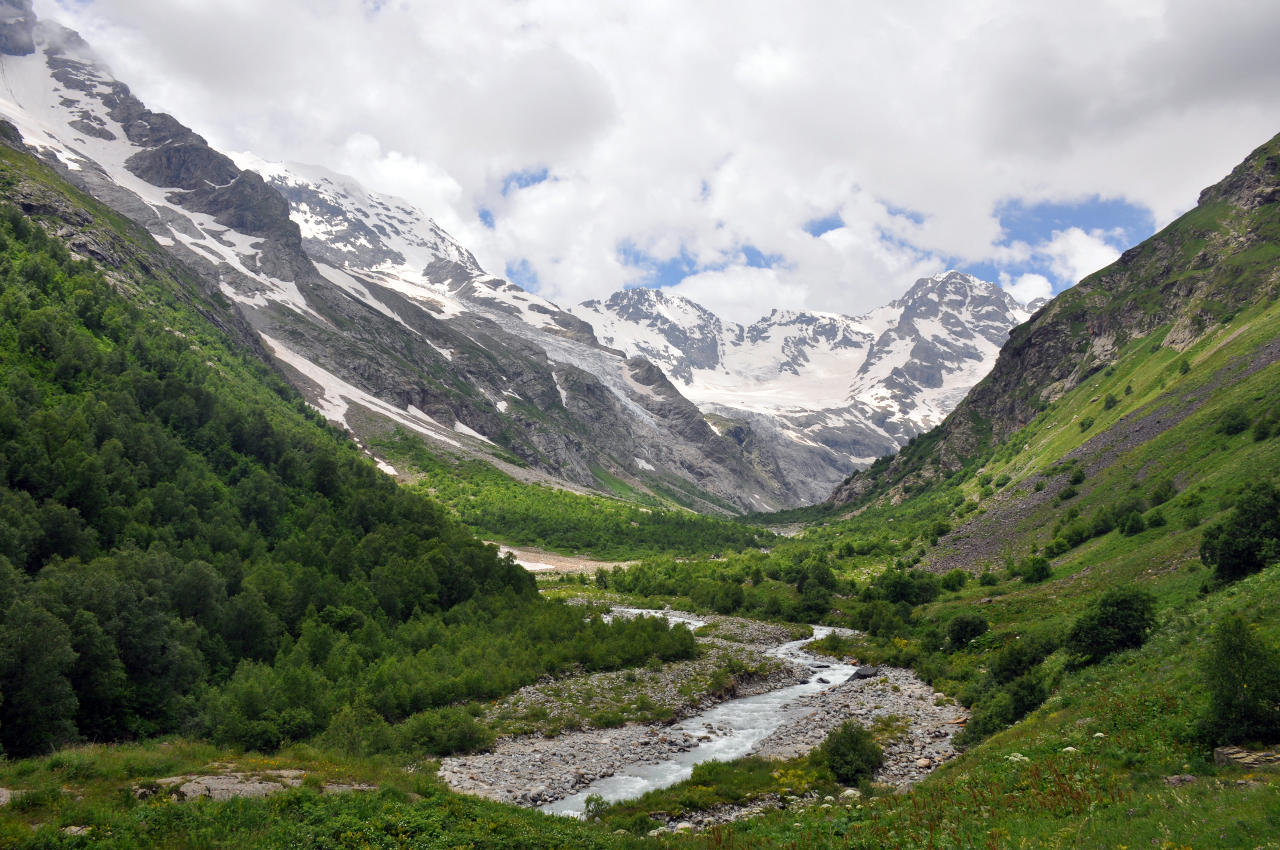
(522, 275)
(911, 215)
(817, 226)
(1035, 223)
(757, 259)
(523, 179)
(486, 217)
(1124, 225)
(663, 273)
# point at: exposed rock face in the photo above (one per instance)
(814, 395)
(1190, 276)
(397, 325)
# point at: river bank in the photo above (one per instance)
(534, 770)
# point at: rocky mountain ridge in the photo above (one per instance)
(429, 352)
(857, 386)
(1178, 285)
(383, 320)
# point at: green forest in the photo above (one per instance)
(186, 547)
(495, 505)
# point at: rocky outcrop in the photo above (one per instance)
(1248, 759)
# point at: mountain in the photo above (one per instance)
(1171, 292)
(839, 391)
(384, 321)
(406, 331)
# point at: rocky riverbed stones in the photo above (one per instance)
(532, 770)
(931, 724)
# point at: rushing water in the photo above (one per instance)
(748, 720)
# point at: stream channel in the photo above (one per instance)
(748, 720)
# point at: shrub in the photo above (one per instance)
(1249, 539)
(441, 732)
(965, 627)
(1243, 678)
(851, 753)
(1132, 523)
(1035, 569)
(954, 580)
(988, 579)
(1119, 619)
(1109, 402)
(1019, 657)
(1163, 491)
(1067, 492)
(1234, 421)
(1086, 424)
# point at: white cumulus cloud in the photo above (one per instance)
(699, 129)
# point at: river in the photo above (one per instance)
(739, 723)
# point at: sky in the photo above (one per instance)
(749, 154)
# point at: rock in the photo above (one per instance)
(684, 826)
(76, 830)
(1180, 779)
(924, 763)
(347, 788)
(1070, 750)
(866, 672)
(822, 681)
(5, 796)
(1240, 757)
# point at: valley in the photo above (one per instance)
(315, 534)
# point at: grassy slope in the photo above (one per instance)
(1144, 704)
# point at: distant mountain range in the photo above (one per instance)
(383, 320)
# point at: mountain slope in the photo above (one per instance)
(842, 390)
(1173, 289)
(381, 342)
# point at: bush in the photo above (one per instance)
(1119, 619)
(1234, 421)
(442, 732)
(1243, 678)
(988, 579)
(965, 627)
(1035, 569)
(851, 753)
(1163, 491)
(1020, 657)
(1086, 424)
(1109, 402)
(954, 580)
(1249, 539)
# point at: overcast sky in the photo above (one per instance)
(806, 155)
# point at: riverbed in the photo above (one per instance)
(558, 774)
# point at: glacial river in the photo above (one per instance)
(748, 720)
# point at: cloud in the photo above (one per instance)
(1074, 254)
(661, 127)
(1027, 287)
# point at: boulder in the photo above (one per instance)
(1240, 757)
